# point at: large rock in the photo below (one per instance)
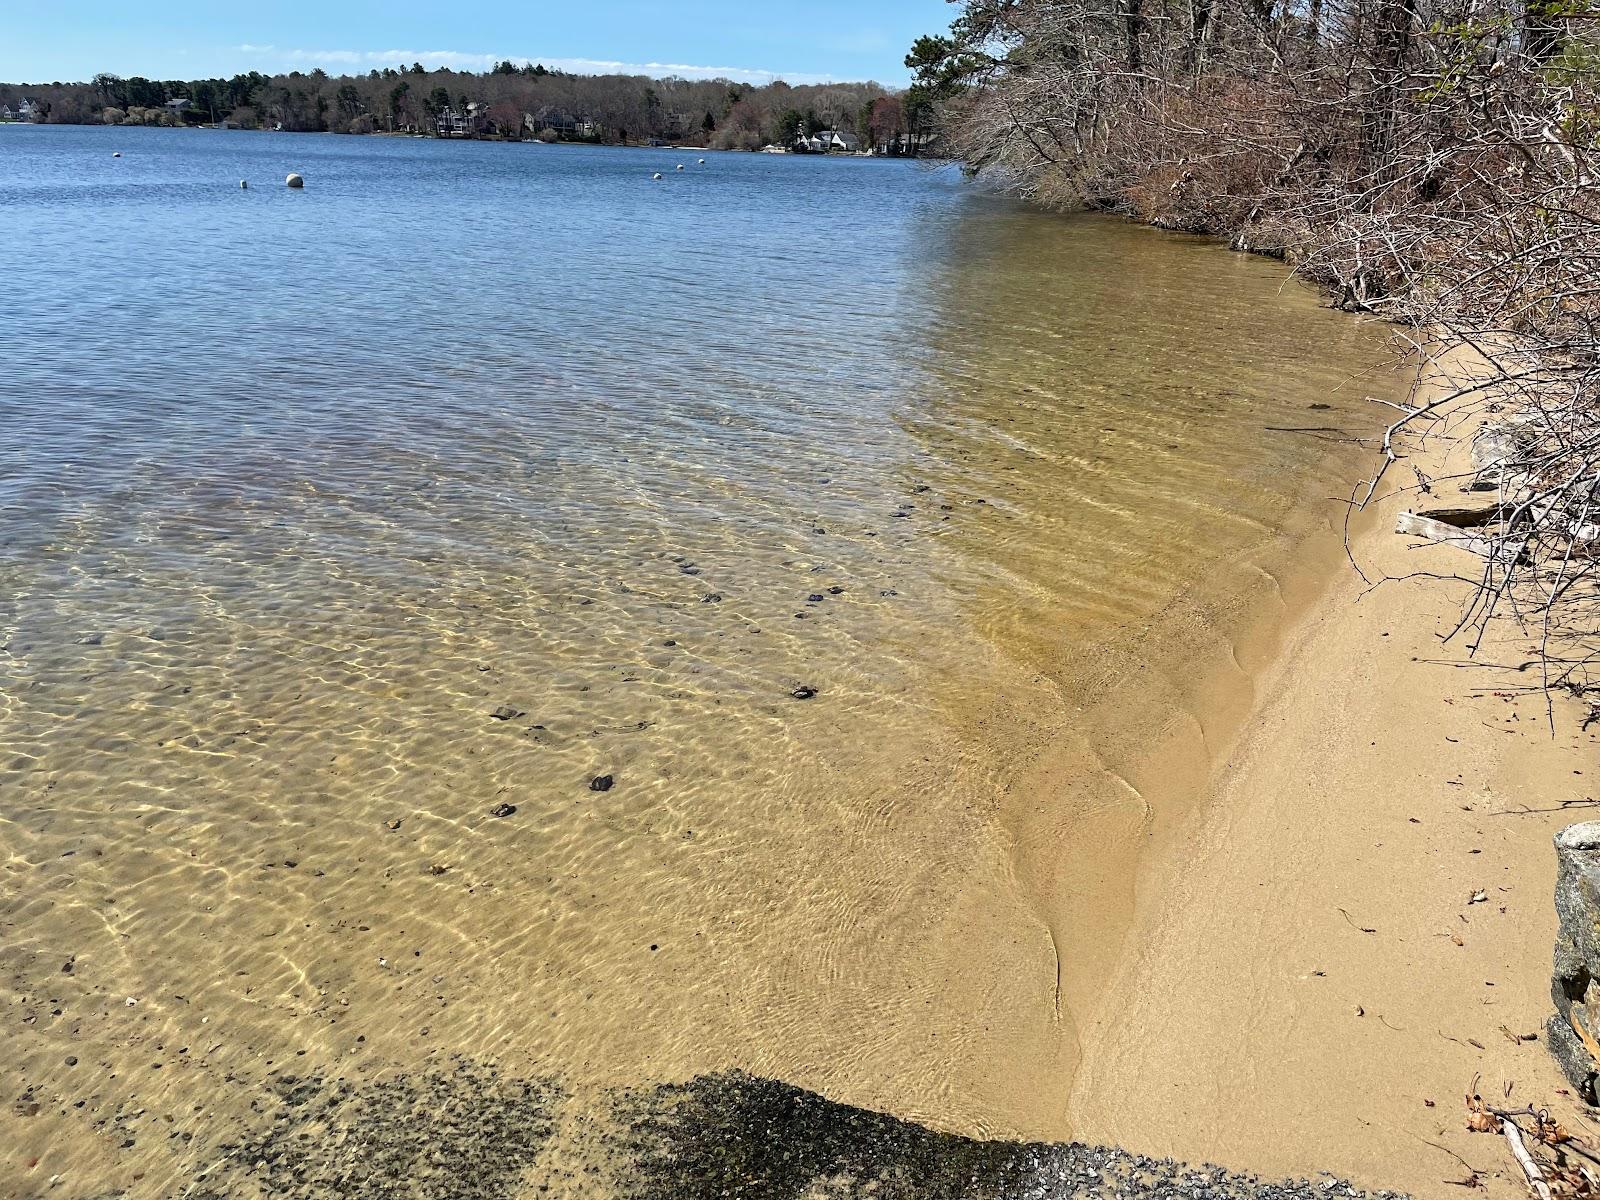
(1574, 985)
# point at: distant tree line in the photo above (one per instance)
(510, 101)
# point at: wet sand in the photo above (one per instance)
(1309, 985)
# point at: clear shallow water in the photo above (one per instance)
(298, 488)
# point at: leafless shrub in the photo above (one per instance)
(1431, 162)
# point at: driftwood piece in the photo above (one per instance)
(1413, 524)
(1463, 518)
(1519, 1151)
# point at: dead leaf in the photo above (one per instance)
(1479, 1118)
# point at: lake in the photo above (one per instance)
(493, 611)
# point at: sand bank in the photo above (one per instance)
(1309, 985)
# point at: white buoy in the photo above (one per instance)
(702, 162)
(295, 181)
(680, 166)
(116, 154)
(657, 175)
(244, 183)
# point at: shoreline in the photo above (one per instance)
(1314, 907)
(1090, 824)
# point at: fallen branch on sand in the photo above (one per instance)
(1513, 1136)
(1571, 1172)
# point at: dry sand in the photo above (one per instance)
(1308, 986)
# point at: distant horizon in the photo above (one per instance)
(590, 67)
(839, 42)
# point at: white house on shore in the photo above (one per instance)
(826, 141)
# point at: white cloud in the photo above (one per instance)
(460, 61)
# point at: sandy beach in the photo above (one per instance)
(1310, 985)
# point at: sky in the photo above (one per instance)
(755, 40)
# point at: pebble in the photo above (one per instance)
(601, 783)
(506, 713)
(503, 810)
(803, 692)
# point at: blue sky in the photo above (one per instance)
(802, 43)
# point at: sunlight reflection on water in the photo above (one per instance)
(299, 489)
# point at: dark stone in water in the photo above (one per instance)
(506, 713)
(815, 598)
(836, 591)
(601, 783)
(503, 810)
(803, 692)
(711, 598)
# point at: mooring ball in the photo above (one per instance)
(244, 183)
(295, 181)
